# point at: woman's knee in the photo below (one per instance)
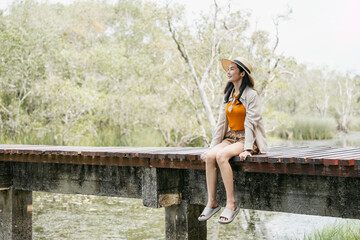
(210, 158)
(221, 157)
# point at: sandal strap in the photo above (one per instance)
(227, 213)
(207, 211)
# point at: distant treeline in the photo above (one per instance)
(139, 73)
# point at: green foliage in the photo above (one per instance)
(354, 124)
(94, 73)
(308, 128)
(349, 230)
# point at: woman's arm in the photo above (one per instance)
(218, 133)
(253, 117)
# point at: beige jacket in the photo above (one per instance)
(254, 127)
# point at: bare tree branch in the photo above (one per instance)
(6, 110)
(182, 49)
(213, 48)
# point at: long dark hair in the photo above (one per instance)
(230, 86)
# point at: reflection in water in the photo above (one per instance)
(60, 216)
(70, 216)
(352, 139)
(63, 216)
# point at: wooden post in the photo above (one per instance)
(15, 214)
(181, 222)
(161, 187)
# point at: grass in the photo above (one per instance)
(308, 128)
(349, 230)
(107, 136)
(354, 124)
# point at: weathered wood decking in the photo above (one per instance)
(316, 181)
(322, 161)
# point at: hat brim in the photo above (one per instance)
(226, 63)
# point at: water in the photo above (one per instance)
(60, 216)
(340, 140)
(71, 216)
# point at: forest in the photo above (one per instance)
(139, 73)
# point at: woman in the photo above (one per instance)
(239, 132)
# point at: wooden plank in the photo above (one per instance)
(296, 151)
(153, 153)
(346, 162)
(343, 153)
(357, 162)
(342, 159)
(316, 158)
(172, 153)
(178, 164)
(132, 150)
(193, 154)
(286, 148)
(297, 169)
(189, 158)
(293, 150)
(289, 157)
(255, 158)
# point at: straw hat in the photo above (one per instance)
(241, 62)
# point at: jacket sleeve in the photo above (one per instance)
(252, 119)
(218, 133)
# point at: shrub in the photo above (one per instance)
(308, 128)
(349, 230)
(354, 124)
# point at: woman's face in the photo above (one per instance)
(234, 74)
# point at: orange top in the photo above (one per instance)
(236, 117)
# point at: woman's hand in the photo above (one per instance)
(203, 156)
(244, 155)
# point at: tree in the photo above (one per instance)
(200, 52)
(345, 99)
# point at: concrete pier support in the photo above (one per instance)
(15, 214)
(162, 187)
(181, 222)
(5, 175)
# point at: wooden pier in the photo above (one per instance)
(316, 181)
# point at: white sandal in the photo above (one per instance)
(229, 214)
(208, 213)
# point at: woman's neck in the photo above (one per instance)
(237, 85)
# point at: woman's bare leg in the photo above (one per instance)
(211, 173)
(222, 158)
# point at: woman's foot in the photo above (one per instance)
(210, 205)
(230, 206)
(227, 216)
(208, 213)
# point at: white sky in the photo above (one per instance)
(319, 33)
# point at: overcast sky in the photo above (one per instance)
(319, 33)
